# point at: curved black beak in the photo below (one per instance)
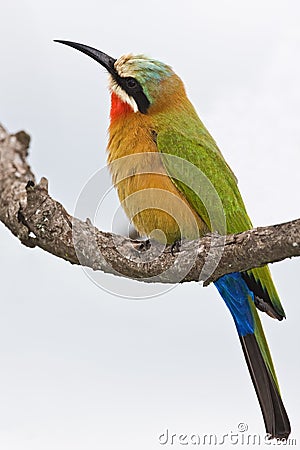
(103, 59)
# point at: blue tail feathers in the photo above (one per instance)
(237, 295)
(238, 298)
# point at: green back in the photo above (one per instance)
(194, 144)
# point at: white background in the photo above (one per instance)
(83, 369)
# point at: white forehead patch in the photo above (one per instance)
(122, 65)
(114, 87)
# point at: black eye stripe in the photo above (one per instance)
(134, 89)
(142, 102)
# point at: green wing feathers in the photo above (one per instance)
(259, 280)
(202, 152)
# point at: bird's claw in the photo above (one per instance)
(175, 247)
(144, 245)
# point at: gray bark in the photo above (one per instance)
(37, 220)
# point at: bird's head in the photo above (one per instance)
(143, 83)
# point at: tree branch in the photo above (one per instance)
(38, 220)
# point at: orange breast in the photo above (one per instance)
(149, 197)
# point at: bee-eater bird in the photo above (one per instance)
(151, 115)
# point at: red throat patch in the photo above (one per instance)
(118, 107)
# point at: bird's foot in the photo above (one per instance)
(144, 245)
(175, 247)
